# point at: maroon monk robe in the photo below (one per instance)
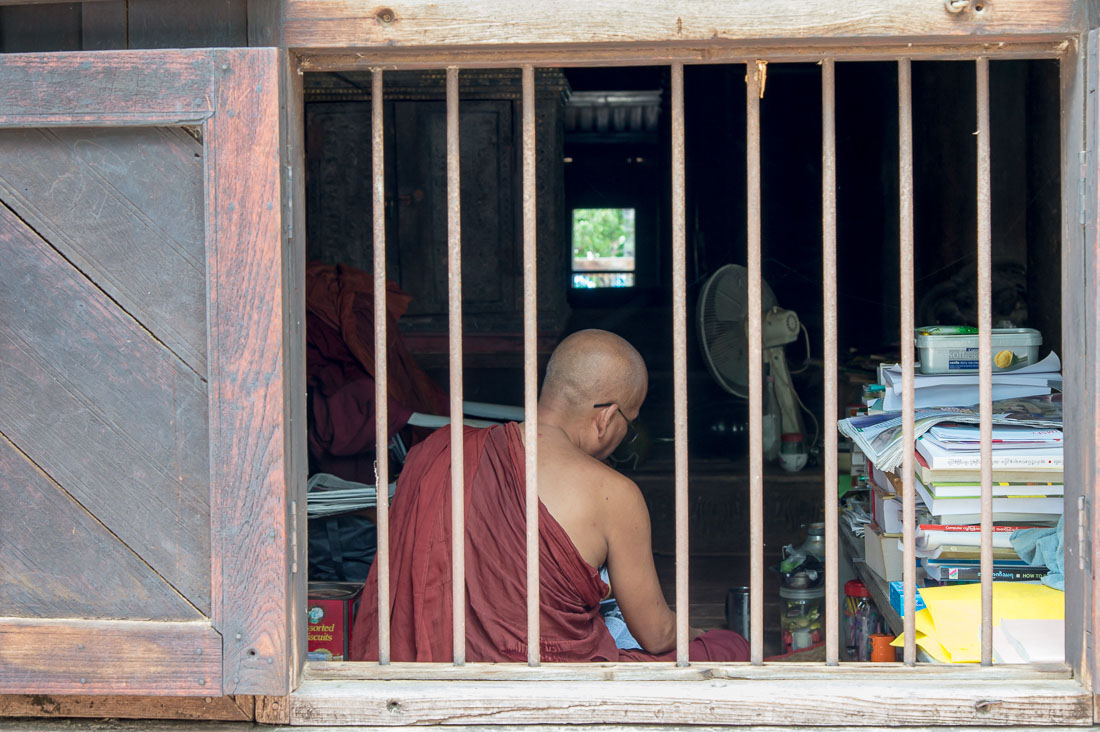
(496, 611)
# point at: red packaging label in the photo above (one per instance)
(330, 615)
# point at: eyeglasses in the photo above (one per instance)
(631, 430)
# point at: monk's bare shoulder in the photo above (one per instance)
(620, 498)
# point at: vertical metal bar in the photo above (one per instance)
(381, 412)
(530, 366)
(679, 363)
(985, 357)
(756, 353)
(829, 317)
(454, 324)
(905, 216)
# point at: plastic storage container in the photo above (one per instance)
(792, 453)
(800, 617)
(863, 620)
(815, 540)
(954, 350)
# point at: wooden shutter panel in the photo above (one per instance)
(1081, 342)
(149, 342)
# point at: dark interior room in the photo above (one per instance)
(603, 162)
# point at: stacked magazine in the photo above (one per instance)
(1027, 481)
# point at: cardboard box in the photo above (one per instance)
(331, 612)
(886, 510)
(881, 553)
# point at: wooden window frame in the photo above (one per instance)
(327, 35)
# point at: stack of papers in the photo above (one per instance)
(879, 436)
(949, 628)
(960, 390)
(328, 495)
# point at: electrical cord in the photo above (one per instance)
(806, 338)
(817, 427)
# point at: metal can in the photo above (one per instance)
(331, 611)
(738, 612)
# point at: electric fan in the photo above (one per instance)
(723, 334)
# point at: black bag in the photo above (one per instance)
(341, 548)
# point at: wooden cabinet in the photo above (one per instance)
(339, 208)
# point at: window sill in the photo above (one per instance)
(661, 693)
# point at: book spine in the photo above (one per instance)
(1000, 462)
(970, 528)
(1006, 574)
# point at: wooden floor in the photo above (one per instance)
(709, 581)
(718, 533)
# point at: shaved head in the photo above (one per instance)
(590, 367)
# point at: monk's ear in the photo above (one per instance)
(603, 419)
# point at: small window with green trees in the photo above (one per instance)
(603, 247)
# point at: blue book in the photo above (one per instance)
(897, 598)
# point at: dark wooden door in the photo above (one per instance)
(340, 201)
(148, 341)
(489, 239)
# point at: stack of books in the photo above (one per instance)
(1027, 485)
(1027, 492)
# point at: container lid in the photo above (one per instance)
(939, 335)
(856, 588)
(791, 593)
(334, 590)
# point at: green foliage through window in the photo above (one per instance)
(603, 247)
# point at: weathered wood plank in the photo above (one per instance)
(42, 530)
(77, 725)
(650, 54)
(273, 709)
(294, 278)
(313, 24)
(852, 673)
(1079, 79)
(126, 207)
(193, 24)
(108, 657)
(224, 708)
(75, 370)
(141, 87)
(1082, 290)
(248, 357)
(718, 701)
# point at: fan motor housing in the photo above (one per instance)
(780, 327)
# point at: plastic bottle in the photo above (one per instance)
(862, 618)
(771, 421)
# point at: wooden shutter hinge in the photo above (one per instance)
(1082, 186)
(289, 198)
(1082, 534)
(294, 537)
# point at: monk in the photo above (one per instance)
(589, 516)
